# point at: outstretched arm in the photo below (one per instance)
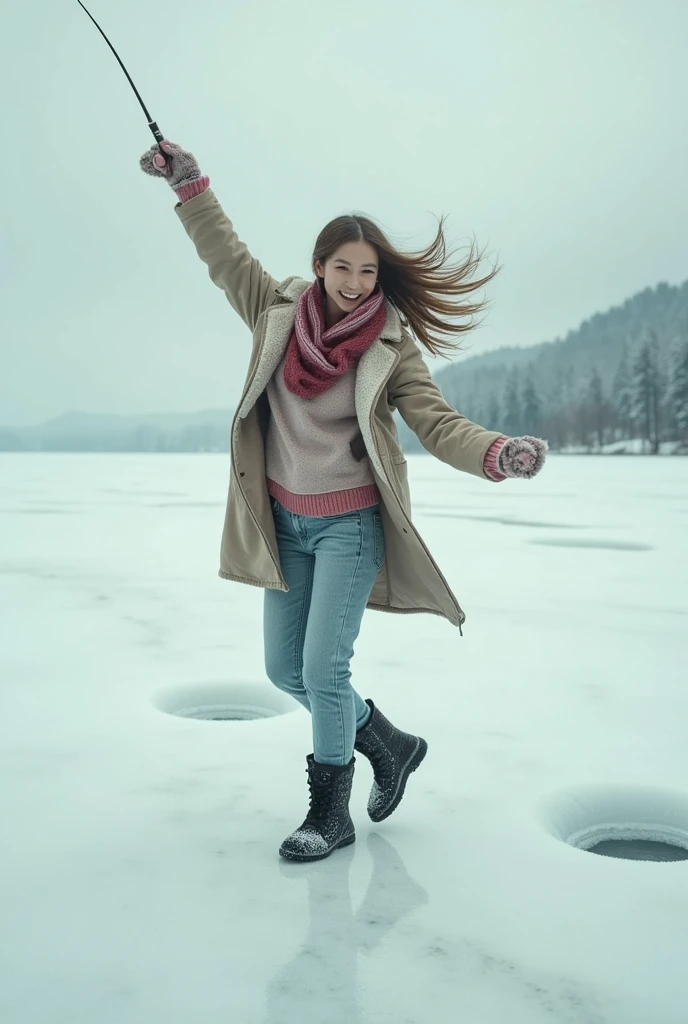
(448, 435)
(442, 431)
(249, 288)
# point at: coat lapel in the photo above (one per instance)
(279, 321)
(373, 370)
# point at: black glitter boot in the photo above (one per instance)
(394, 755)
(328, 824)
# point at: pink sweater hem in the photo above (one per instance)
(333, 503)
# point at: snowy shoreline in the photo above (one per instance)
(635, 447)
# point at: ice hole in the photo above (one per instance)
(224, 702)
(633, 823)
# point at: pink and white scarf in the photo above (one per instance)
(316, 357)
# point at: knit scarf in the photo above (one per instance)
(316, 357)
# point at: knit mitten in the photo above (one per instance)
(515, 457)
(182, 172)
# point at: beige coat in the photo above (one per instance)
(390, 375)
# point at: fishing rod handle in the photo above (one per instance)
(159, 137)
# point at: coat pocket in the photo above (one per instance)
(397, 469)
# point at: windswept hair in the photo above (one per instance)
(423, 286)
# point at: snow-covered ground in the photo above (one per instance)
(634, 446)
(140, 875)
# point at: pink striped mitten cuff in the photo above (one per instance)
(194, 188)
(491, 463)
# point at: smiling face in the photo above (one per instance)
(350, 276)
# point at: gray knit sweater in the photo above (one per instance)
(309, 463)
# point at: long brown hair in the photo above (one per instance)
(421, 285)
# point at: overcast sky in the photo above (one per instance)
(552, 131)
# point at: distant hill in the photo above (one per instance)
(205, 431)
(621, 375)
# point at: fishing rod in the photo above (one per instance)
(159, 137)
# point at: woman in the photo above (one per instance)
(319, 509)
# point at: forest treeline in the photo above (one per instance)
(621, 375)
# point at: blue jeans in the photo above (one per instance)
(330, 564)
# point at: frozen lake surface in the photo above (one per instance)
(140, 874)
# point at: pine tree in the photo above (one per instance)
(622, 399)
(556, 419)
(596, 406)
(645, 394)
(532, 408)
(659, 390)
(678, 388)
(512, 406)
(494, 413)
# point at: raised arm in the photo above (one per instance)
(249, 288)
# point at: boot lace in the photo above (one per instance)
(320, 798)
